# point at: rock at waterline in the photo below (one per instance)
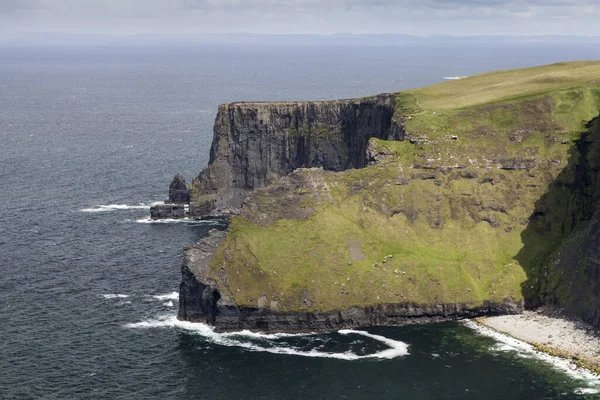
(178, 190)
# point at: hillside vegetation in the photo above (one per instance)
(435, 219)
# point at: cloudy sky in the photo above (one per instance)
(417, 17)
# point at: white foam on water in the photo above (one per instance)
(234, 339)
(505, 348)
(149, 220)
(454, 78)
(114, 296)
(586, 391)
(117, 207)
(508, 343)
(168, 304)
(396, 347)
(265, 336)
(168, 296)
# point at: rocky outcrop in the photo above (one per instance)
(177, 204)
(198, 294)
(256, 143)
(178, 190)
(167, 211)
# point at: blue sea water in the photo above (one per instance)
(91, 136)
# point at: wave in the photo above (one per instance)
(168, 296)
(168, 304)
(587, 391)
(189, 221)
(114, 296)
(454, 78)
(508, 343)
(117, 207)
(240, 339)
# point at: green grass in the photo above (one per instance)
(465, 260)
(454, 230)
(504, 85)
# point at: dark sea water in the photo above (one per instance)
(90, 137)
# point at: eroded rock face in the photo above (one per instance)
(178, 190)
(267, 320)
(198, 294)
(256, 143)
(167, 211)
(570, 279)
(578, 265)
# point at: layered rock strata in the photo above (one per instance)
(254, 144)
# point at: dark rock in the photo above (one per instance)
(178, 190)
(567, 276)
(202, 208)
(198, 295)
(164, 211)
(256, 143)
(375, 154)
(515, 164)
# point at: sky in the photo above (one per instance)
(414, 17)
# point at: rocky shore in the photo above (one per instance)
(552, 333)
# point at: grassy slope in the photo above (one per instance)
(453, 229)
(504, 85)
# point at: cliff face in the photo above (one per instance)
(256, 143)
(566, 272)
(445, 212)
(577, 266)
(199, 294)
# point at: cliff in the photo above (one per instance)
(565, 273)
(397, 208)
(257, 143)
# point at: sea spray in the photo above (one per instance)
(168, 296)
(271, 345)
(117, 207)
(189, 221)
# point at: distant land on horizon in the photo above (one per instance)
(59, 38)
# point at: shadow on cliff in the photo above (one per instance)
(559, 219)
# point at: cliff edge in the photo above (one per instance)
(434, 203)
(256, 143)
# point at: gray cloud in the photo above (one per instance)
(318, 16)
(9, 6)
(142, 7)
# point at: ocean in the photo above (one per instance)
(91, 136)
